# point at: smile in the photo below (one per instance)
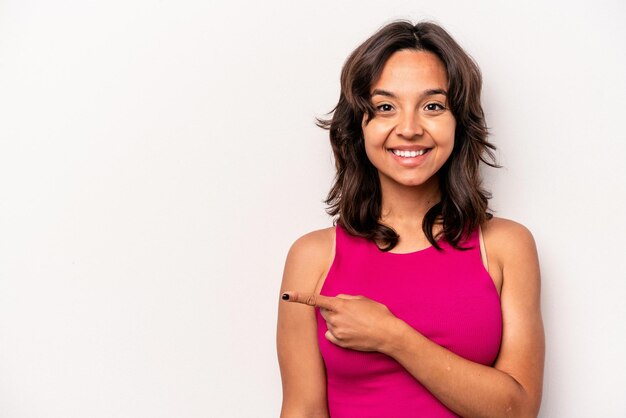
(409, 154)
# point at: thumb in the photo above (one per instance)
(342, 296)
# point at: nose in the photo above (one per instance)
(409, 125)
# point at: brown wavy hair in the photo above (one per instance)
(355, 197)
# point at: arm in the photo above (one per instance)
(301, 365)
(512, 387)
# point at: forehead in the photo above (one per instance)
(408, 70)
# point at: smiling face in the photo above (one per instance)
(411, 135)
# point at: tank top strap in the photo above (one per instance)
(340, 239)
(344, 242)
(471, 244)
(472, 241)
(349, 245)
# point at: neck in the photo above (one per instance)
(405, 206)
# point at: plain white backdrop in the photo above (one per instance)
(158, 158)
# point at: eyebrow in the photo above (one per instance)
(429, 92)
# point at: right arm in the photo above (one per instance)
(302, 368)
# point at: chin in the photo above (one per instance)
(407, 181)
(418, 182)
(412, 182)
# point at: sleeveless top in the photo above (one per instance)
(447, 296)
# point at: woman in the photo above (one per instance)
(418, 303)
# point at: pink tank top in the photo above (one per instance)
(447, 296)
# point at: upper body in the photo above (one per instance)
(507, 246)
(420, 139)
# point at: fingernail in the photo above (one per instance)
(285, 296)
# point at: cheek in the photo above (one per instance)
(374, 137)
(444, 133)
(370, 152)
(375, 133)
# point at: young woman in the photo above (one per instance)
(418, 303)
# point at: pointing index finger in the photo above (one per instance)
(311, 299)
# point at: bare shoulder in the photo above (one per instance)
(315, 243)
(511, 246)
(506, 231)
(309, 258)
(508, 240)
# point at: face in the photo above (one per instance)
(411, 134)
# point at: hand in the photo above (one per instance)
(354, 322)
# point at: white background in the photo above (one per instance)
(158, 158)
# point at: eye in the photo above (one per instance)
(433, 107)
(385, 107)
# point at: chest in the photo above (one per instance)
(449, 298)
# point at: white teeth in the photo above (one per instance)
(408, 154)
